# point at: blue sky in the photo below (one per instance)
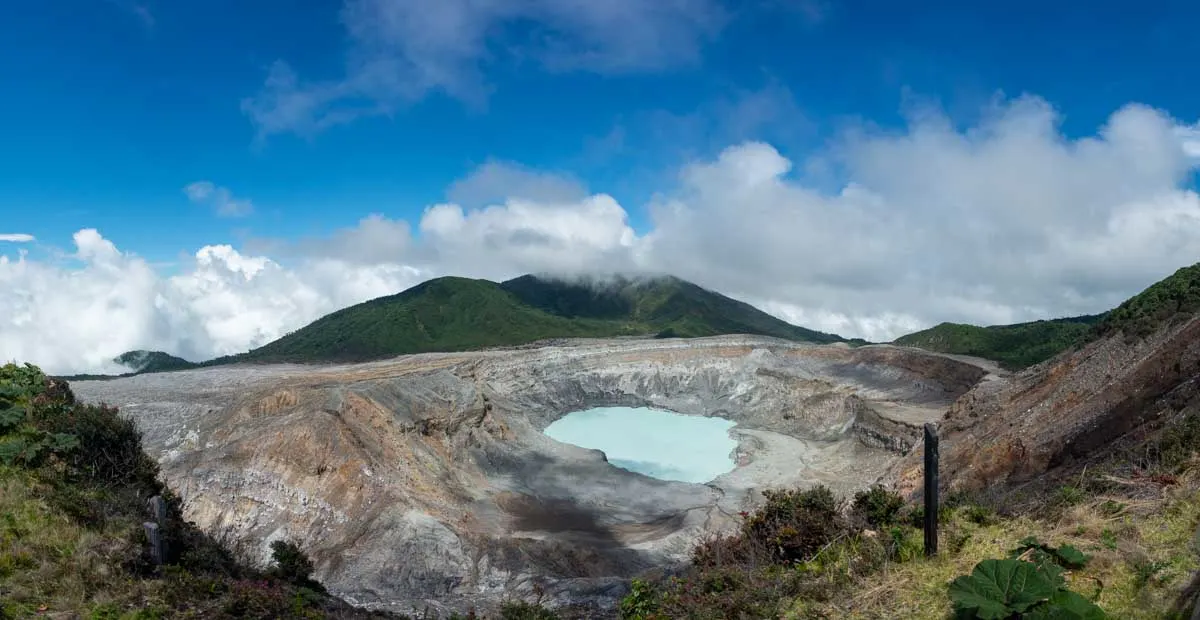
(112, 106)
(210, 175)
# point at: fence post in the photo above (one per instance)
(154, 529)
(154, 535)
(931, 490)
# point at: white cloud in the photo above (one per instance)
(523, 236)
(219, 199)
(71, 318)
(16, 237)
(402, 51)
(495, 182)
(1005, 221)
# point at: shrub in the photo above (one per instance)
(727, 550)
(794, 525)
(1176, 445)
(23, 394)
(291, 563)
(878, 506)
(642, 602)
(520, 610)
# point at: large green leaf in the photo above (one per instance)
(1070, 557)
(63, 442)
(11, 418)
(1066, 605)
(998, 588)
(1066, 556)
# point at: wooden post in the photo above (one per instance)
(158, 509)
(156, 543)
(931, 490)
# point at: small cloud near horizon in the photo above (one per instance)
(16, 237)
(220, 199)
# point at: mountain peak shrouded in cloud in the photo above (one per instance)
(994, 224)
(870, 180)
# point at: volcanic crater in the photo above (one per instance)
(426, 481)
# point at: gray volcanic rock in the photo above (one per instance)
(426, 480)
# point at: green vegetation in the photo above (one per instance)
(1025, 344)
(666, 305)
(445, 314)
(1024, 588)
(1124, 548)
(877, 506)
(1013, 346)
(153, 361)
(797, 546)
(1164, 302)
(456, 314)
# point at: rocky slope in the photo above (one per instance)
(426, 479)
(1010, 430)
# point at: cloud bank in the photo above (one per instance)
(1005, 221)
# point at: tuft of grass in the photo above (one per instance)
(1143, 557)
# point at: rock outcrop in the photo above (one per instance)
(427, 481)
(1010, 430)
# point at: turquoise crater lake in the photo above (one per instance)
(656, 443)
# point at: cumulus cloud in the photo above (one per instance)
(16, 237)
(401, 51)
(219, 199)
(1005, 221)
(77, 315)
(497, 181)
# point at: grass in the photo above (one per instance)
(868, 561)
(1118, 578)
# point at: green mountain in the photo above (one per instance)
(456, 314)
(1025, 344)
(1013, 346)
(674, 307)
(153, 361)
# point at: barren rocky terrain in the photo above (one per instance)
(1011, 430)
(426, 480)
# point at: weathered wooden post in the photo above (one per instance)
(154, 529)
(931, 490)
(154, 535)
